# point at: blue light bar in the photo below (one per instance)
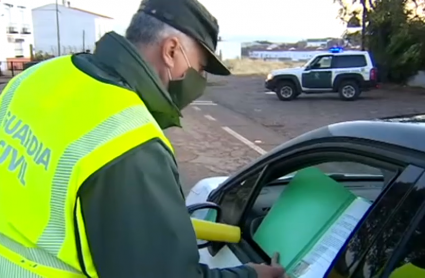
(335, 49)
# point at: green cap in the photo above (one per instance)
(193, 19)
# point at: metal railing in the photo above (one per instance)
(12, 68)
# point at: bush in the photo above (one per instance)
(41, 56)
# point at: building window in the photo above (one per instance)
(19, 48)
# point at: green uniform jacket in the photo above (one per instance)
(133, 206)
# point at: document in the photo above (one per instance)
(316, 263)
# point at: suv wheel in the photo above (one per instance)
(349, 90)
(286, 91)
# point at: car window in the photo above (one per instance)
(347, 167)
(349, 61)
(323, 62)
(369, 250)
(235, 199)
(311, 215)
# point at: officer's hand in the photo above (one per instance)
(274, 270)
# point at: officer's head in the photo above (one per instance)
(178, 38)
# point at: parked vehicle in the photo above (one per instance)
(347, 73)
(345, 200)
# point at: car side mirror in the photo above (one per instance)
(207, 212)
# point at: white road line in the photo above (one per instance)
(196, 108)
(244, 140)
(203, 102)
(270, 93)
(209, 117)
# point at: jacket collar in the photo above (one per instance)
(121, 58)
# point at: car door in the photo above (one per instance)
(240, 196)
(318, 75)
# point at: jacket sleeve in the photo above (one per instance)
(137, 223)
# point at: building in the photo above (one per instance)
(78, 29)
(290, 55)
(16, 34)
(317, 42)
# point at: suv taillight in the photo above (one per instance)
(373, 74)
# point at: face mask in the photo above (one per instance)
(188, 88)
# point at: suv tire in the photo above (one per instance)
(286, 91)
(349, 90)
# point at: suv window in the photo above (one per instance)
(323, 62)
(349, 61)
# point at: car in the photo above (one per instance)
(347, 73)
(345, 200)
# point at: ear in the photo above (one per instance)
(168, 50)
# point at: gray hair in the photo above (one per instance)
(146, 30)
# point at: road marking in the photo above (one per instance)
(203, 102)
(196, 108)
(270, 93)
(209, 117)
(244, 140)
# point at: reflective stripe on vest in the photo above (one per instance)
(39, 241)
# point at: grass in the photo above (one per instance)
(247, 66)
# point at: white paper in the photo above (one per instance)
(317, 261)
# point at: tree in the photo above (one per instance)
(392, 33)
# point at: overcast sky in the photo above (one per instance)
(262, 19)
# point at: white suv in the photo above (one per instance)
(346, 73)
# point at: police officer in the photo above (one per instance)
(89, 186)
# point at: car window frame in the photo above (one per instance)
(382, 151)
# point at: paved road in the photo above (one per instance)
(247, 96)
(235, 122)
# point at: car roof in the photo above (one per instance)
(404, 134)
(407, 134)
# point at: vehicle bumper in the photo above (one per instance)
(369, 85)
(270, 85)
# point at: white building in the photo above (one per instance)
(15, 29)
(78, 29)
(292, 55)
(317, 42)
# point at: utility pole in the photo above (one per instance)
(58, 37)
(364, 13)
(84, 40)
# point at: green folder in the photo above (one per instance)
(304, 211)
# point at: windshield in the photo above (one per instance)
(308, 62)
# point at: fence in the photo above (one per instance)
(11, 68)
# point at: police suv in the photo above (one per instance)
(347, 73)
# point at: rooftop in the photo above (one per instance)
(88, 12)
(76, 9)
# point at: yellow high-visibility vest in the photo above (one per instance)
(58, 126)
(408, 270)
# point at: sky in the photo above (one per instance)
(242, 20)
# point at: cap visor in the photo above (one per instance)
(214, 64)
